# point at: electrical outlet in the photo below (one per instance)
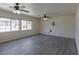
(50, 30)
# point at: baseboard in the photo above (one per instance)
(56, 36)
(31, 36)
(20, 38)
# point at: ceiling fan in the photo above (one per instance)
(45, 17)
(17, 8)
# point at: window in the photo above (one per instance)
(7, 25)
(23, 24)
(26, 25)
(4, 25)
(29, 25)
(14, 25)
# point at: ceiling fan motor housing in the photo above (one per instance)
(45, 16)
(16, 7)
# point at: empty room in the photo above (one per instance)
(39, 29)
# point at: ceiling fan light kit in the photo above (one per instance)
(45, 17)
(16, 11)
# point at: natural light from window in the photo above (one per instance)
(15, 25)
(7, 25)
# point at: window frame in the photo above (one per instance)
(5, 26)
(19, 21)
(18, 25)
(28, 25)
(21, 25)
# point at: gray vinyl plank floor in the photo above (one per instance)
(39, 45)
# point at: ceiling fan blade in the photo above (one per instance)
(48, 17)
(25, 10)
(22, 7)
(9, 5)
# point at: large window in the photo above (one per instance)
(7, 25)
(4, 25)
(29, 25)
(26, 25)
(15, 25)
(23, 24)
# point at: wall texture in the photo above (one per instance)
(77, 29)
(5, 36)
(64, 26)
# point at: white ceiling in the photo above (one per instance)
(51, 9)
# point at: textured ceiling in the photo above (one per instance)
(51, 9)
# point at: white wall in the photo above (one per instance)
(65, 26)
(77, 29)
(18, 34)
